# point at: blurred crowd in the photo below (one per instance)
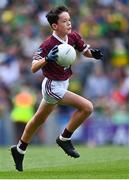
(104, 24)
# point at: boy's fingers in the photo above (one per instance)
(55, 47)
(55, 51)
(56, 56)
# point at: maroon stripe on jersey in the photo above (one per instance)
(49, 91)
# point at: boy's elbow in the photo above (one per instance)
(33, 69)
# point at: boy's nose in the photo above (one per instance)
(69, 24)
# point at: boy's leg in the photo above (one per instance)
(84, 109)
(40, 116)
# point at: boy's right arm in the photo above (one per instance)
(39, 62)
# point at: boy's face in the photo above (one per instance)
(63, 27)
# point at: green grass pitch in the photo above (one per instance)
(50, 162)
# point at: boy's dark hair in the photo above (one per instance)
(53, 15)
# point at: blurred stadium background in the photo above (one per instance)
(103, 24)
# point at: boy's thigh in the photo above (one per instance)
(45, 108)
(74, 100)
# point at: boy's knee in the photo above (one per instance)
(88, 109)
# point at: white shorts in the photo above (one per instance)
(53, 91)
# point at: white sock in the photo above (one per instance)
(64, 139)
(20, 150)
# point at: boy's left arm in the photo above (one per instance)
(81, 46)
(93, 53)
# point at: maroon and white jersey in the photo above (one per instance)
(52, 70)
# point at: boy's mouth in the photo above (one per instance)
(69, 29)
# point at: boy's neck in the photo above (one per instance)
(62, 37)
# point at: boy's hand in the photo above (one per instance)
(96, 53)
(52, 55)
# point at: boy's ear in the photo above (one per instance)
(54, 26)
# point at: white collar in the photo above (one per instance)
(59, 39)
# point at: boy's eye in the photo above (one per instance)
(67, 20)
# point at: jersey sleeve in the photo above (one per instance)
(80, 44)
(39, 54)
